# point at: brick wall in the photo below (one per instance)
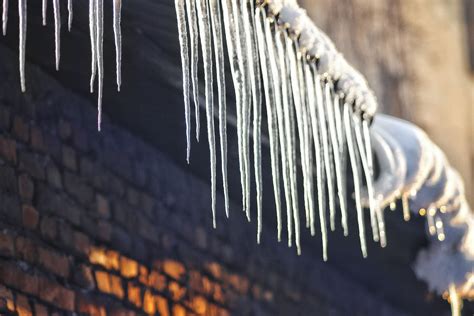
(103, 224)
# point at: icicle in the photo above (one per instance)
(337, 160)
(406, 207)
(44, 11)
(70, 13)
(93, 37)
(341, 140)
(99, 18)
(290, 172)
(255, 79)
(368, 176)
(274, 72)
(456, 303)
(183, 42)
(326, 151)
(221, 90)
(118, 43)
(304, 143)
(269, 101)
(319, 158)
(22, 12)
(293, 69)
(243, 131)
(356, 175)
(370, 166)
(194, 41)
(204, 29)
(247, 55)
(57, 31)
(5, 17)
(233, 45)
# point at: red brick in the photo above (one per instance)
(56, 294)
(25, 249)
(105, 230)
(83, 277)
(26, 187)
(28, 283)
(81, 243)
(8, 149)
(49, 228)
(21, 129)
(30, 217)
(37, 140)
(103, 207)
(54, 262)
(69, 158)
(65, 129)
(6, 244)
(5, 116)
(40, 310)
(54, 176)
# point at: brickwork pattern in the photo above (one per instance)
(103, 224)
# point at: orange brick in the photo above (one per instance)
(143, 275)
(199, 305)
(103, 281)
(177, 291)
(149, 305)
(23, 306)
(134, 294)
(162, 306)
(179, 310)
(128, 267)
(157, 281)
(174, 269)
(116, 286)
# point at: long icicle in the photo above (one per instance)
(233, 45)
(314, 134)
(5, 17)
(247, 109)
(275, 74)
(244, 106)
(216, 20)
(342, 148)
(57, 32)
(99, 18)
(305, 144)
(337, 160)
(204, 29)
(70, 15)
(44, 11)
(348, 126)
(319, 161)
(118, 41)
(183, 43)
(194, 43)
(269, 101)
(370, 165)
(368, 176)
(22, 12)
(326, 151)
(93, 37)
(291, 53)
(291, 198)
(255, 79)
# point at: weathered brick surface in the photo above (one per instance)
(103, 224)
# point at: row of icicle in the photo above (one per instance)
(96, 24)
(305, 98)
